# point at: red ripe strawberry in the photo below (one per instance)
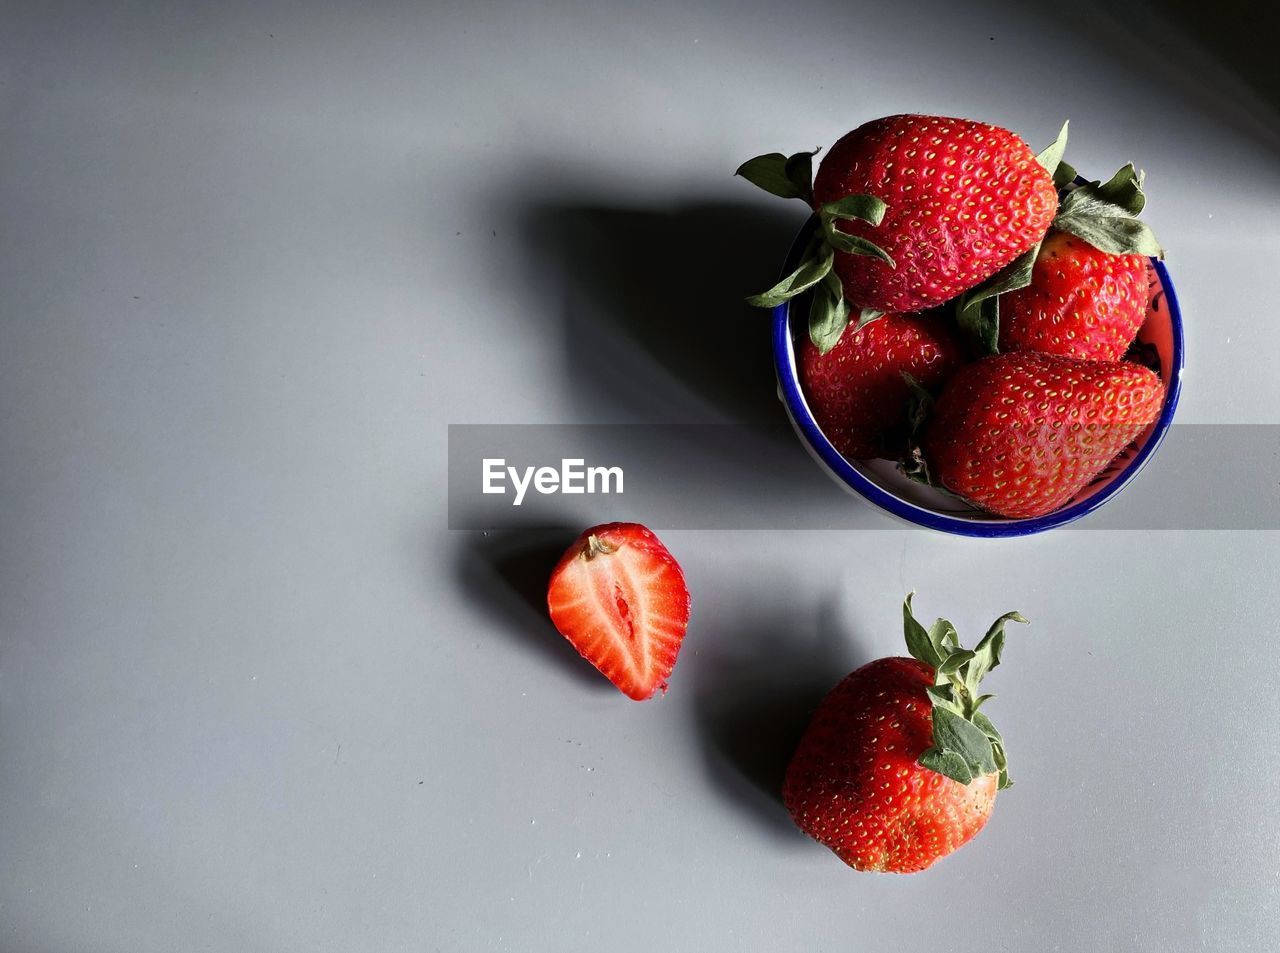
(898, 766)
(1082, 302)
(1021, 433)
(857, 391)
(963, 200)
(619, 597)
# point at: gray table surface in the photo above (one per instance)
(254, 693)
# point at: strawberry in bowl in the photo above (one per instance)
(943, 224)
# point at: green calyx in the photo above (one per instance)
(966, 745)
(1105, 214)
(1051, 159)
(978, 309)
(829, 313)
(788, 177)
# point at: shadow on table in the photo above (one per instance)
(756, 690)
(507, 573)
(652, 312)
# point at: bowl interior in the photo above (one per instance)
(1158, 345)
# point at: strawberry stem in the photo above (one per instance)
(966, 745)
(595, 546)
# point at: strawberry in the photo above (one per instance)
(1083, 291)
(1084, 294)
(1020, 434)
(1081, 302)
(930, 207)
(857, 391)
(898, 766)
(619, 597)
(964, 199)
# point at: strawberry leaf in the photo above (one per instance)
(988, 651)
(942, 633)
(1104, 214)
(918, 642)
(854, 245)
(799, 172)
(1115, 234)
(943, 695)
(965, 742)
(980, 320)
(1123, 189)
(814, 267)
(788, 177)
(978, 310)
(984, 723)
(769, 172)
(914, 468)
(946, 632)
(952, 732)
(1004, 780)
(997, 748)
(1051, 158)
(1064, 175)
(951, 664)
(1002, 764)
(947, 763)
(1062, 171)
(828, 313)
(868, 208)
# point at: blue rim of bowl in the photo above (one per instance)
(995, 527)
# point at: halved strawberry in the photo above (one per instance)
(619, 597)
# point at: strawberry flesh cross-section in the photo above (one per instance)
(620, 598)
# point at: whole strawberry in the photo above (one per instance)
(1020, 434)
(963, 200)
(1085, 295)
(619, 596)
(857, 391)
(1081, 302)
(1083, 291)
(914, 210)
(899, 766)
